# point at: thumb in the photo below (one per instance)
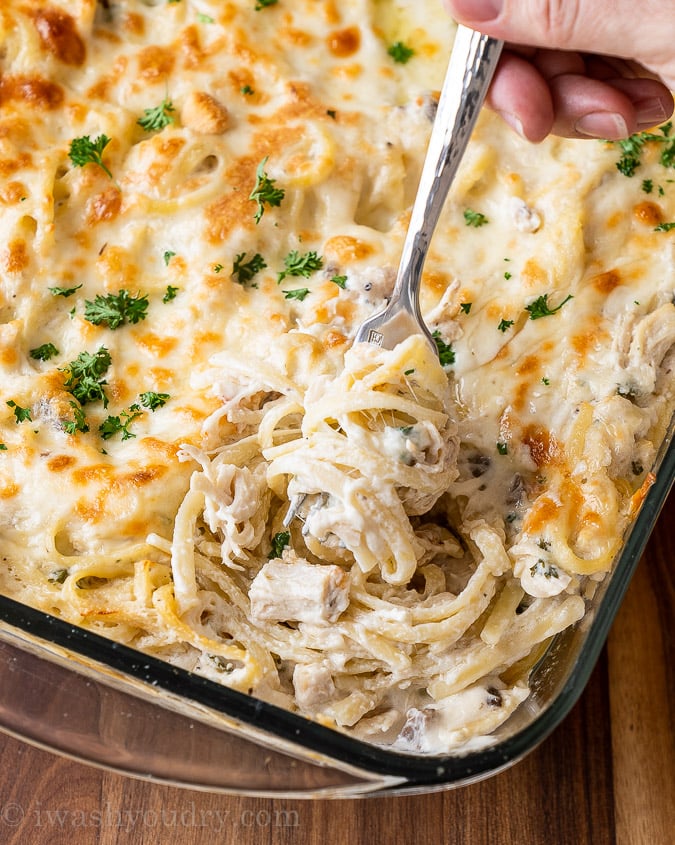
(643, 31)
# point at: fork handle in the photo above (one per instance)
(472, 65)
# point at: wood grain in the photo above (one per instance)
(605, 776)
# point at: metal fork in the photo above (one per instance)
(472, 64)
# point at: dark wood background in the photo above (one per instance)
(605, 776)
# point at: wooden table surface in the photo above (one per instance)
(605, 776)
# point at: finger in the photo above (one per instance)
(574, 24)
(587, 107)
(652, 102)
(521, 95)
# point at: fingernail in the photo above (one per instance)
(650, 111)
(477, 10)
(602, 124)
(512, 121)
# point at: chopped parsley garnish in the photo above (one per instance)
(409, 373)
(246, 270)
(647, 186)
(508, 275)
(114, 309)
(504, 325)
(202, 18)
(3, 447)
(114, 424)
(546, 381)
(400, 52)
(64, 292)
(152, 400)
(157, 118)
(264, 193)
(300, 265)
(79, 423)
(331, 113)
(539, 308)
(340, 281)
(632, 148)
(545, 569)
(299, 293)
(474, 218)
(247, 90)
(84, 151)
(85, 376)
(502, 447)
(263, 4)
(465, 307)
(279, 542)
(446, 354)
(44, 352)
(218, 268)
(20, 414)
(170, 294)
(168, 255)
(665, 227)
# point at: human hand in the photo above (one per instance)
(590, 68)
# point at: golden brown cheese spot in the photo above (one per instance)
(190, 47)
(104, 206)
(542, 512)
(9, 490)
(32, 90)
(133, 24)
(345, 248)
(582, 343)
(528, 366)
(59, 36)
(332, 339)
(155, 63)
(615, 219)
(605, 283)
(542, 445)
(156, 345)
(60, 462)
(648, 213)
(12, 193)
(140, 477)
(204, 114)
(117, 268)
(344, 42)
(533, 274)
(8, 356)
(435, 281)
(95, 473)
(14, 258)
(11, 165)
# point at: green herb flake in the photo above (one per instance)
(296, 264)
(540, 308)
(115, 424)
(299, 293)
(115, 309)
(508, 275)
(168, 255)
(170, 294)
(202, 18)
(546, 381)
(502, 447)
(247, 90)
(264, 193)
(83, 151)
(665, 227)
(474, 218)
(153, 401)
(504, 325)
(218, 268)
(280, 541)
(44, 352)
(57, 576)
(647, 186)
(20, 414)
(409, 372)
(3, 447)
(400, 52)
(340, 281)
(85, 376)
(446, 354)
(263, 4)
(157, 118)
(545, 569)
(244, 271)
(466, 307)
(79, 423)
(64, 292)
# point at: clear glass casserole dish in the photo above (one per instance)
(74, 692)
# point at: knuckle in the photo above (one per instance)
(561, 21)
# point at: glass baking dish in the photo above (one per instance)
(72, 691)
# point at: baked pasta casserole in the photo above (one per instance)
(200, 201)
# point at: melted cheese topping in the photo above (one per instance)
(377, 541)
